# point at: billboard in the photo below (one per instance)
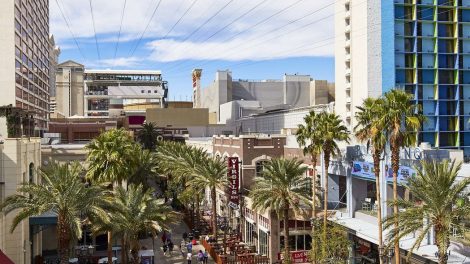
(365, 170)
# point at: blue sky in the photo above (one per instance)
(255, 39)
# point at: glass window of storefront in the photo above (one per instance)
(249, 230)
(298, 242)
(263, 243)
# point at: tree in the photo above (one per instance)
(137, 211)
(211, 173)
(148, 136)
(311, 141)
(439, 198)
(332, 130)
(109, 156)
(337, 244)
(369, 130)
(109, 159)
(144, 167)
(62, 192)
(401, 121)
(181, 161)
(282, 187)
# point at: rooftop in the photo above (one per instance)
(128, 72)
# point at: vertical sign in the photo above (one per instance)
(234, 183)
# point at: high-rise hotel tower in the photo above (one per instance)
(24, 58)
(422, 46)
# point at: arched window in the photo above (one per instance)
(31, 172)
(260, 167)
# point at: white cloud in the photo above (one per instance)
(260, 42)
(123, 62)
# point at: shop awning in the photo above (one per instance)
(4, 259)
(49, 218)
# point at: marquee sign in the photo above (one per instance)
(300, 256)
(234, 182)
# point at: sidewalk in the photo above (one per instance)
(176, 257)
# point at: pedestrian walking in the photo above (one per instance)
(170, 247)
(164, 237)
(200, 257)
(189, 247)
(165, 248)
(182, 246)
(189, 257)
(206, 256)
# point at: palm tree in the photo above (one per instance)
(148, 136)
(211, 173)
(331, 128)
(181, 162)
(438, 197)
(62, 192)
(109, 156)
(368, 130)
(109, 159)
(311, 142)
(281, 188)
(137, 211)
(401, 120)
(144, 167)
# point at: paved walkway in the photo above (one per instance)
(176, 257)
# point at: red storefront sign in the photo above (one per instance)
(234, 182)
(300, 256)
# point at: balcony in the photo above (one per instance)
(347, 43)
(347, 14)
(348, 72)
(347, 29)
(347, 86)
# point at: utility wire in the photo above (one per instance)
(145, 30)
(70, 30)
(181, 18)
(224, 27)
(94, 30)
(119, 34)
(289, 32)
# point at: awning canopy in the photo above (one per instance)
(49, 218)
(4, 259)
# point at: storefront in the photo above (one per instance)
(364, 252)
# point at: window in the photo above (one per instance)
(263, 243)
(298, 242)
(260, 167)
(149, 91)
(142, 91)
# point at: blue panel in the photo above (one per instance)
(388, 44)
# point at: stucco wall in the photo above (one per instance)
(178, 116)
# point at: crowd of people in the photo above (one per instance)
(186, 248)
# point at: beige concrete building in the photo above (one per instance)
(54, 52)
(178, 116)
(24, 53)
(229, 100)
(20, 158)
(69, 89)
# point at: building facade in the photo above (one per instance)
(24, 67)
(20, 159)
(69, 92)
(108, 91)
(228, 99)
(54, 53)
(420, 46)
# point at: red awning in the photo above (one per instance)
(4, 259)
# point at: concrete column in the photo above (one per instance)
(351, 202)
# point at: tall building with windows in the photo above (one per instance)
(422, 46)
(68, 98)
(24, 63)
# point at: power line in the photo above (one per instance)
(94, 30)
(119, 34)
(291, 31)
(181, 18)
(145, 30)
(70, 30)
(198, 28)
(226, 26)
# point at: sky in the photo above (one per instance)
(255, 39)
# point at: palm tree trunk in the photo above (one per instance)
(379, 205)
(286, 234)
(64, 240)
(314, 204)
(123, 251)
(135, 256)
(442, 247)
(214, 212)
(198, 219)
(395, 167)
(110, 248)
(325, 202)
